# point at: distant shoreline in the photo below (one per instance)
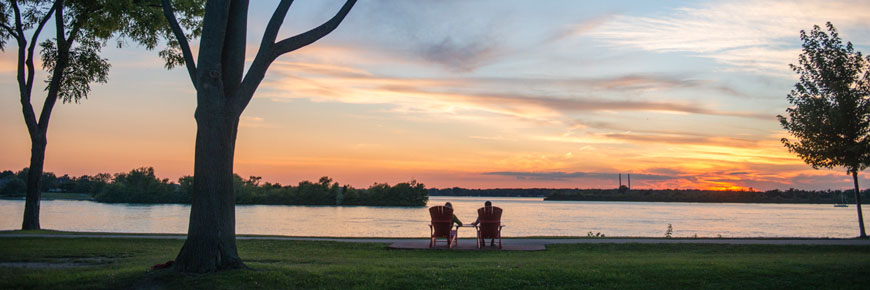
(791, 196)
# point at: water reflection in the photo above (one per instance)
(523, 217)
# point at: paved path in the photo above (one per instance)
(508, 243)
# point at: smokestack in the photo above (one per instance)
(629, 181)
(620, 180)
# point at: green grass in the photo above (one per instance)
(123, 263)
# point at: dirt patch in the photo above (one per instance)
(148, 283)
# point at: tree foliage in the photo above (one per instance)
(141, 185)
(90, 25)
(84, 67)
(830, 113)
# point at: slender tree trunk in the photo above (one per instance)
(211, 233)
(38, 130)
(858, 204)
(34, 177)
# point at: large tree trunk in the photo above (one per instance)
(34, 177)
(223, 92)
(211, 233)
(858, 204)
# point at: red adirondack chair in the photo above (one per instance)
(442, 225)
(489, 226)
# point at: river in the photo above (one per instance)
(522, 217)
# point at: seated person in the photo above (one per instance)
(455, 219)
(485, 204)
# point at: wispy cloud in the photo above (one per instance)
(321, 82)
(759, 36)
(695, 139)
(423, 31)
(255, 122)
(459, 54)
(580, 28)
(631, 82)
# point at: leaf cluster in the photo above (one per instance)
(88, 27)
(30, 16)
(83, 67)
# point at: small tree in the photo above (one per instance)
(71, 58)
(830, 113)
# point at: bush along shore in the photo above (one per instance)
(141, 185)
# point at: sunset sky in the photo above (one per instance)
(478, 94)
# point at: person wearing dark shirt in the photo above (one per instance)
(486, 204)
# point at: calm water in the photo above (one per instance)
(523, 217)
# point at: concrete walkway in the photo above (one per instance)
(522, 244)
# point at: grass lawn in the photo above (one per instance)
(89, 263)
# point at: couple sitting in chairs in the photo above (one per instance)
(488, 225)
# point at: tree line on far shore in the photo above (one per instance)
(663, 195)
(141, 185)
(696, 195)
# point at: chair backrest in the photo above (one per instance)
(442, 220)
(490, 220)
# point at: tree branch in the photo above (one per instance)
(32, 46)
(275, 24)
(182, 40)
(26, 106)
(10, 30)
(57, 75)
(269, 50)
(22, 43)
(59, 25)
(233, 58)
(309, 37)
(264, 57)
(74, 32)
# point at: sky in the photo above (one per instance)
(476, 94)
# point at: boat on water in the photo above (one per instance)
(842, 202)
